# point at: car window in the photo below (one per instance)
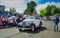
(37, 18)
(27, 17)
(32, 17)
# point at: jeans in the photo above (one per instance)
(55, 27)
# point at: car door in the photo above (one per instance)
(37, 22)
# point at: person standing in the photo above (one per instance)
(56, 22)
(19, 20)
(1, 22)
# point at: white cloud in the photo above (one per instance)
(56, 4)
(20, 5)
(13, 3)
(42, 6)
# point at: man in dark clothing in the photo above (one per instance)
(56, 22)
(19, 20)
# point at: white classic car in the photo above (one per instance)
(29, 23)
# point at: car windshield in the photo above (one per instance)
(30, 17)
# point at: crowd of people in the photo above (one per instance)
(5, 21)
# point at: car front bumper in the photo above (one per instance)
(24, 27)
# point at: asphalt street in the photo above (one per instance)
(45, 32)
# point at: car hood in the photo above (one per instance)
(29, 20)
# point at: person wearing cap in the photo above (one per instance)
(56, 22)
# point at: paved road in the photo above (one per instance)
(45, 32)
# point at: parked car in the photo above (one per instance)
(29, 23)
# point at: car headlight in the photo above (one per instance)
(20, 24)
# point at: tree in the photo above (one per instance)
(53, 11)
(43, 12)
(50, 10)
(30, 7)
(12, 10)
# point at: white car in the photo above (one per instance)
(29, 23)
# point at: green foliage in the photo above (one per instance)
(40, 15)
(43, 12)
(30, 7)
(12, 10)
(50, 10)
(58, 14)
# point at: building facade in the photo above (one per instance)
(2, 8)
(5, 13)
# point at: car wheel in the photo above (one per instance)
(32, 28)
(40, 25)
(20, 30)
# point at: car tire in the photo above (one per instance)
(20, 30)
(40, 25)
(32, 28)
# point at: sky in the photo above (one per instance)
(20, 5)
(44, 1)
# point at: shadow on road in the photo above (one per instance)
(59, 31)
(6, 27)
(38, 30)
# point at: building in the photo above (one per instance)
(5, 13)
(2, 8)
